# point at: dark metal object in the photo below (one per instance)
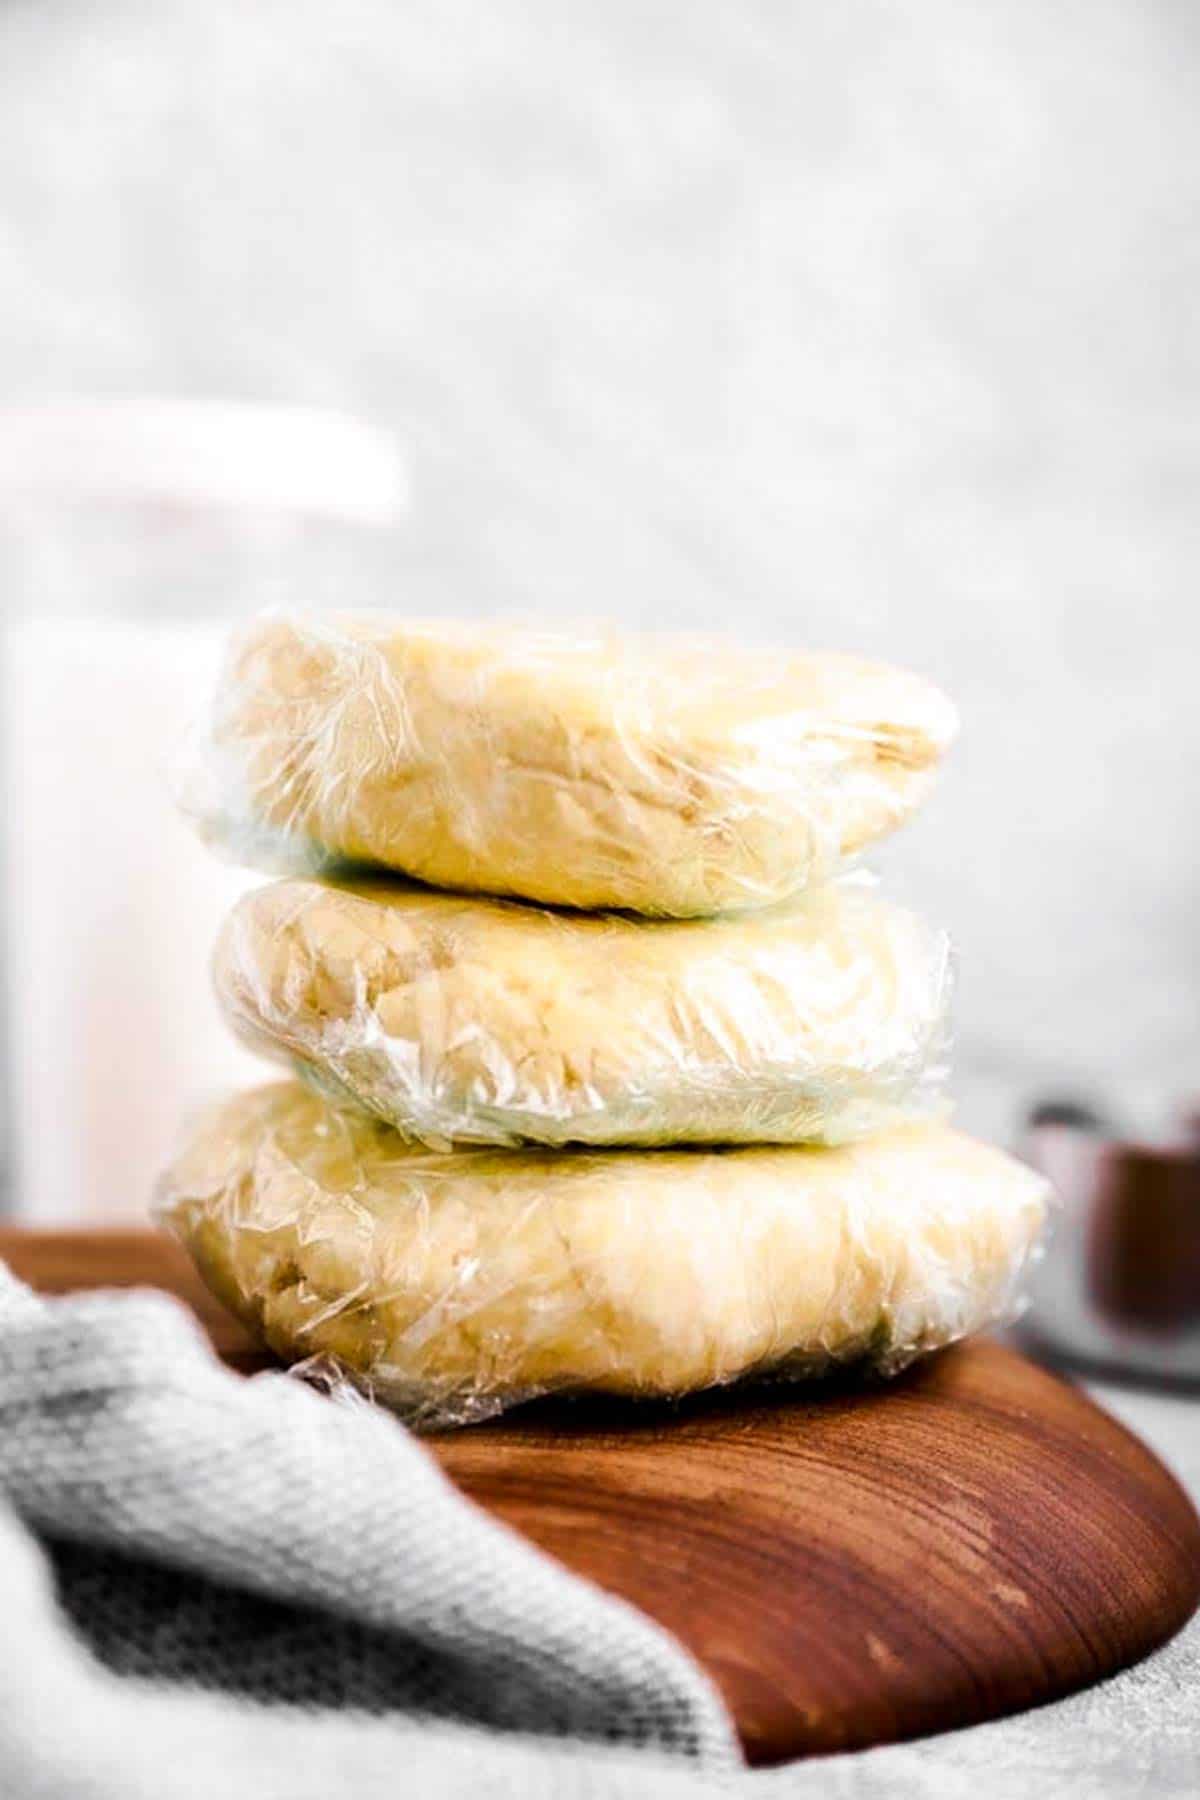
(1119, 1289)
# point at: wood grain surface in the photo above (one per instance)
(852, 1565)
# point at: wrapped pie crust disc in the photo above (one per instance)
(461, 1020)
(452, 1286)
(676, 777)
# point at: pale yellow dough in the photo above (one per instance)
(454, 1285)
(670, 777)
(472, 1021)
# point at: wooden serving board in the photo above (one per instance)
(852, 1565)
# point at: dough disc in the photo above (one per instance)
(455, 1285)
(673, 777)
(471, 1021)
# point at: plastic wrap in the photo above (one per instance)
(672, 777)
(472, 1021)
(452, 1286)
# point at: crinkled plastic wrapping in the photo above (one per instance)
(452, 1286)
(460, 1020)
(670, 777)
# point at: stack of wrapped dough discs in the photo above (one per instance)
(638, 1090)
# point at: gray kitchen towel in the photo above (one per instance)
(214, 1586)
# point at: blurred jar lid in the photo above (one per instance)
(201, 455)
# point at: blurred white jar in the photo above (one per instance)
(131, 535)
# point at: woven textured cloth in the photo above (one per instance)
(218, 1586)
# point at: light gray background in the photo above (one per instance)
(870, 325)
